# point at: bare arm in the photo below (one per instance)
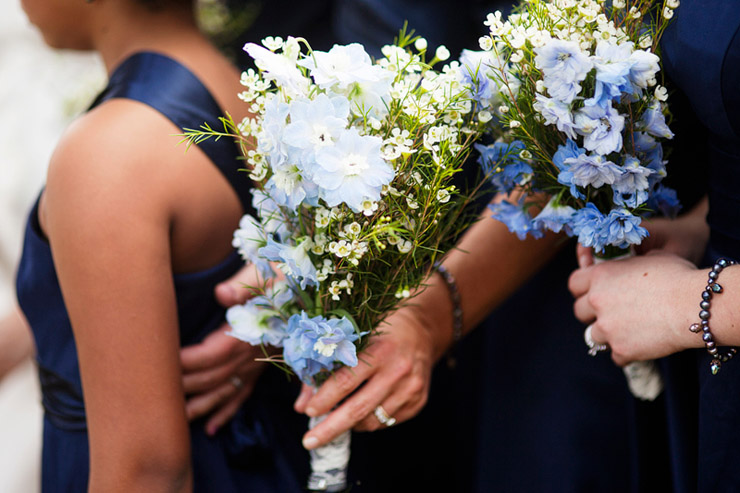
(489, 265)
(109, 228)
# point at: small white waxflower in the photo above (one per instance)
(661, 93)
(667, 13)
(635, 13)
(353, 228)
(672, 3)
(342, 248)
(369, 207)
(503, 109)
(442, 53)
(273, 43)
(485, 116)
(443, 196)
(413, 204)
(405, 246)
(485, 43)
(619, 4)
(420, 44)
(517, 56)
(645, 42)
(403, 293)
(515, 124)
(525, 154)
(393, 240)
(539, 86)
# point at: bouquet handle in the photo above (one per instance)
(643, 377)
(329, 462)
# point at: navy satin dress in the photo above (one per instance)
(251, 454)
(701, 413)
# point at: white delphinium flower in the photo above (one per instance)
(278, 67)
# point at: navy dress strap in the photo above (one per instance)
(170, 88)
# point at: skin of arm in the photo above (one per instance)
(107, 214)
(16, 342)
(489, 264)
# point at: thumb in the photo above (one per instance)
(235, 290)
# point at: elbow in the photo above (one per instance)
(165, 471)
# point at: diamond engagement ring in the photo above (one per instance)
(383, 416)
(593, 347)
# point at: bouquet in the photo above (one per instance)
(579, 119)
(353, 162)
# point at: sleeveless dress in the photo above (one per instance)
(250, 454)
(701, 411)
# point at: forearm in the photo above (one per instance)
(16, 343)
(489, 265)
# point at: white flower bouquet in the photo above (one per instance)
(353, 164)
(579, 118)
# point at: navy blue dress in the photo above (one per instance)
(251, 454)
(701, 413)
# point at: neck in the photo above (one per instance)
(122, 28)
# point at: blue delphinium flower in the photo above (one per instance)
(601, 128)
(316, 344)
(590, 170)
(653, 122)
(568, 151)
(665, 201)
(650, 152)
(273, 220)
(554, 217)
(256, 324)
(295, 261)
(612, 63)
(644, 66)
(270, 137)
(502, 162)
(515, 218)
(352, 170)
(289, 188)
(631, 187)
(586, 225)
(555, 112)
(620, 228)
(563, 66)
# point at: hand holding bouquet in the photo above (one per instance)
(353, 162)
(579, 122)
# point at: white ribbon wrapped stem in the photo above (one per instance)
(329, 462)
(643, 377)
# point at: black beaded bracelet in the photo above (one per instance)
(457, 313)
(713, 287)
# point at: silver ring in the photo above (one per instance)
(237, 382)
(593, 347)
(383, 416)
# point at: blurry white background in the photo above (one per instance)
(41, 90)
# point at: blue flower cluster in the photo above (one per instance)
(316, 344)
(593, 92)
